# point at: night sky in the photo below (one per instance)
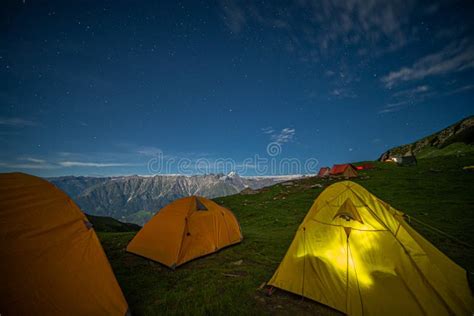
(100, 87)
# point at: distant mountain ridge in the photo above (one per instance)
(109, 224)
(135, 199)
(454, 136)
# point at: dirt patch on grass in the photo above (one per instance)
(284, 303)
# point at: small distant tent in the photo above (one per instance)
(396, 159)
(391, 159)
(51, 261)
(185, 229)
(324, 172)
(345, 170)
(404, 160)
(355, 253)
(409, 160)
(366, 166)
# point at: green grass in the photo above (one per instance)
(437, 191)
(455, 149)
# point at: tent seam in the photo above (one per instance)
(357, 278)
(361, 230)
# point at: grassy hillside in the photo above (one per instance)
(459, 133)
(455, 149)
(109, 224)
(437, 192)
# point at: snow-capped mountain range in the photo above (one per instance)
(136, 198)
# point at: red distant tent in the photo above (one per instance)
(346, 170)
(324, 172)
(366, 166)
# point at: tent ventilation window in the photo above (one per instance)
(347, 217)
(200, 206)
(348, 211)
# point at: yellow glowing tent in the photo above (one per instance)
(51, 262)
(188, 228)
(355, 253)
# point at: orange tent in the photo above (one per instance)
(188, 228)
(51, 261)
(345, 170)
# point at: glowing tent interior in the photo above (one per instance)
(51, 261)
(356, 253)
(185, 229)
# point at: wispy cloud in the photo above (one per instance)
(16, 122)
(356, 22)
(31, 163)
(35, 163)
(268, 130)
(149, 151)
(343, 93)
(327, 24)
(455, 57)
(34, 160)
(233, 15)
(412, 92)
(316, 31)
(465, 88)
(394, 107)
(329, 73)
(286, 135)
(406, 97)
(95, 164)
(8, 165)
